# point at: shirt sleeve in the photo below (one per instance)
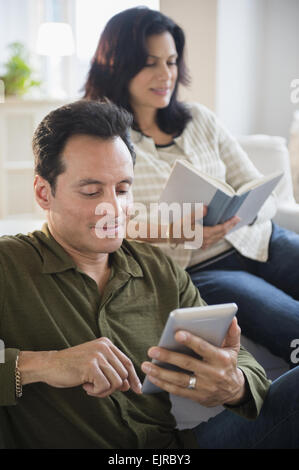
(7, 358)
(189, 294)
(258, 385)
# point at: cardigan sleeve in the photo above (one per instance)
(241, 170)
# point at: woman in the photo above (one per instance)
(138, 64)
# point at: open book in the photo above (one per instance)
(186, 184)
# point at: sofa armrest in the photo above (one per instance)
(21, 224)
(287, 216)
(270, 154)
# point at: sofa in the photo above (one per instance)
(268, 154)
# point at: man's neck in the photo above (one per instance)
(94, 265)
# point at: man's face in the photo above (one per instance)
(95, 189)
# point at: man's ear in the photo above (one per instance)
(42, 190)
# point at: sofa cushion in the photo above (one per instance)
(270, 154)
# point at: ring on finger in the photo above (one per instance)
(192, 382)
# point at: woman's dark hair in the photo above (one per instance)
(94, 118)
(122, 53)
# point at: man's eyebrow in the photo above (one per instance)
(87, 181)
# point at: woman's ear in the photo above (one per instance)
(42, 190)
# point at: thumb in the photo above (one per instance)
(232, 338)
(200, 212)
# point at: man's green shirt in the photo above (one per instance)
(47, 303)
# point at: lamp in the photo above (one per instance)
(55, 40)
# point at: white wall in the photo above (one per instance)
(238, 76)
(18, 22)
(257, 58)
(280, 66)
(198, 18)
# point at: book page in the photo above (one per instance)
(254, 201)
(225, 187)
(257, 182)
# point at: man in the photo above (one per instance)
(80, 308)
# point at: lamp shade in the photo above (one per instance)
(55, 39)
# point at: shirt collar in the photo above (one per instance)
(57, 260)
(148, 143)
(124, 260)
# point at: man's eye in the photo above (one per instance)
(122, 191)
(89, 194)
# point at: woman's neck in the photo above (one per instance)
(146, 119)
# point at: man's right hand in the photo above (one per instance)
(98, 365)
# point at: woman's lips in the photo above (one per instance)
(160, 91)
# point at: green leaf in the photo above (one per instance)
(18, 73)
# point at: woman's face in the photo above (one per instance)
(154, 84)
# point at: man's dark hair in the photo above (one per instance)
(122, 53)
(93, 118)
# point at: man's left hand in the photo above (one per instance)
(218, 379)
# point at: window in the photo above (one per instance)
(90, 19)
(20, 20)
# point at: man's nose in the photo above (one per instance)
(111, 207)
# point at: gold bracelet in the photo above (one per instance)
(18, 382)
(172, 245)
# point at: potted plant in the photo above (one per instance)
(18, 76)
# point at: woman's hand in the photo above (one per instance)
(209, 235)
(186, 230)
(212, 235)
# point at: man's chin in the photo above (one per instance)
(108, 241)
(113, 233)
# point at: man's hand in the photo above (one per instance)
(218, 380)
(99, 366)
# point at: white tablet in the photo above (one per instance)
(209, 322)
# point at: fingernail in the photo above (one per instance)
(181, 336)
(155, 353)
(146, 368)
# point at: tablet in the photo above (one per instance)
(210, 322)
